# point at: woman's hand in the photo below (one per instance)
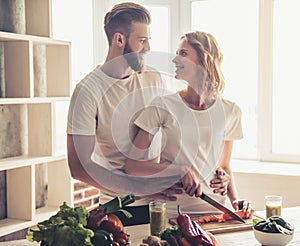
(190, 183)
(245, 206)
(220, 182)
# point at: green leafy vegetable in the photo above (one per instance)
(173, 230)
(274, 224)
(65, 228)
(117, 204)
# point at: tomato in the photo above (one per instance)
(240, 213)
(116, 218)
(210, 218)
(110, 225)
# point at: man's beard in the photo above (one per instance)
(134, 59)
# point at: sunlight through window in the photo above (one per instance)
(237, 35)
(286, 85)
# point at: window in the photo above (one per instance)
(72, 21)
(164, 38)
(286, 83)
(237, 35)
(158, 57)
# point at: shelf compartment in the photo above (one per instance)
(21, 196)
(62, 191)
(33, 130)
(58, 70)
(59, 119)
(17, 68)
(13, 130)
(37, 15)
(39, 129)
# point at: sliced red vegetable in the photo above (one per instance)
(226, 217)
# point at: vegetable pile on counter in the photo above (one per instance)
(274, 224)
(186, 233)
(78, 227)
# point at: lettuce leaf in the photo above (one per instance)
(65, 228)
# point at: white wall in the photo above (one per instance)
(254, 187)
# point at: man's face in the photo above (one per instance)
(137, 44)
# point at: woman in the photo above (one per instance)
(198, 128)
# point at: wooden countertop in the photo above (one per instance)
(242, 238)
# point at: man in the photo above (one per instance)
(105, 104)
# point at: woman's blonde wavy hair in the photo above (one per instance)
(210, 58)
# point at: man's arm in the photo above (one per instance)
(80, 149)
(137, 165)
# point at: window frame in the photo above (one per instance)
(180, 23)
(102, 6)
(265, 86)
(265, 82)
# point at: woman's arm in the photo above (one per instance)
(224, 163)
(232, 193)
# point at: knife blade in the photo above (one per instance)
(219, 206)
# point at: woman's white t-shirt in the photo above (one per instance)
(192, 137)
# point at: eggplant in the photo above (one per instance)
(102, 238)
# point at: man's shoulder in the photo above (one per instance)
(151, 72)
(94, 81)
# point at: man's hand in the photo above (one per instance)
(220, 182)
(168, 194)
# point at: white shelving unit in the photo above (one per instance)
(44, 132)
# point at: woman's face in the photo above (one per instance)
(186, 62)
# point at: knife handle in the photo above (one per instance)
(202, 196)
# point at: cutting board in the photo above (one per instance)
(220, 227)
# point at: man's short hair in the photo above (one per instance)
(121, 16)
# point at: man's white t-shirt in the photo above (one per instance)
(107, 107)
(192, 137)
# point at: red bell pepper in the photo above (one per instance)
(192, 231)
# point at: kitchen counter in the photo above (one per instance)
(138, 233)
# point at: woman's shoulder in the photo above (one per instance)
(167, 98)
(230, 106)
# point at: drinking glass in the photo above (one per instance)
(157, 210)
(273, 205)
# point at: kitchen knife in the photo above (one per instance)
(221, 207)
